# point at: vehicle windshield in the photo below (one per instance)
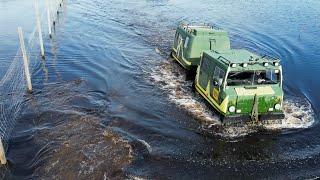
(236, 78)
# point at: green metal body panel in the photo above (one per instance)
(190, 41)
(223, 96)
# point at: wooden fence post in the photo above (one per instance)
(3, 159)
(25, 59)
(36, 6)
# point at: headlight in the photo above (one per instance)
(232, 109)
(277, 106)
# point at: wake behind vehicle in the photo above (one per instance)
(191, 40)
(240, 85)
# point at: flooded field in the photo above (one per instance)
(109, 102)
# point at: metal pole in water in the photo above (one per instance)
(48, 18)
(25, 59)
(3, 159)
(39, 27)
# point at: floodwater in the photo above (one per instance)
(108, 102)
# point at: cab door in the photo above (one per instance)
(216, 82)
(204, 74)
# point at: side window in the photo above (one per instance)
(218, 75)
(273, 76)
(205, 64)
(186, 42)
(222, 74)
(216, 72)
(269, 75)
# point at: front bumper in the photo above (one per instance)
(235, 119)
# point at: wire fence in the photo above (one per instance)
(13, 86)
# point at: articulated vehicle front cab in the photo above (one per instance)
(240, 85)
(190, 41)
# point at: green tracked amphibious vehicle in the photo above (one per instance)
(191, 40)
(240, 85)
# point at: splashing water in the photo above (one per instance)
(171, 78)
(298, 114)
(180, 91)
